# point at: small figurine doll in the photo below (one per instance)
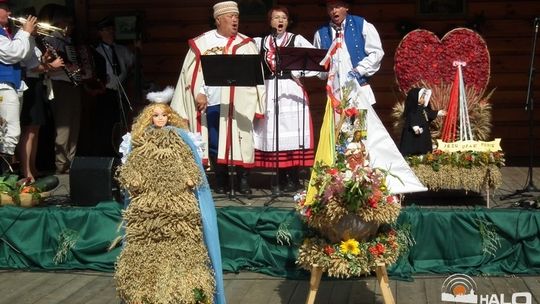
(415, 136)
(171, 252)
(356, 153)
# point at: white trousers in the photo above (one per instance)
(10, 111)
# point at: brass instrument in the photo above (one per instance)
(42, 28)
(73, 76)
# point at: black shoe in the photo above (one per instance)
(220, 190)
(243, 186)
(276, 191)
(291, 187)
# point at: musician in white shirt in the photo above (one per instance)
(12, 51)
(112, 104)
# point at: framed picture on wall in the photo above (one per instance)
(441, 7)
(127, 27)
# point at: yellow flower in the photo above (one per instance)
(308, 203)
(350, 246)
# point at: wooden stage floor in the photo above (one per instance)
(18, 287)
(253, 288)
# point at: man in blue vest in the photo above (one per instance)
(354, 55)
(360, 53)
(13, 49)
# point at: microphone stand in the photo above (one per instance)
(303, 146)
(276, 191)
(119, 90)
(529, 107)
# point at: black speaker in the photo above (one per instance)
(91, 180)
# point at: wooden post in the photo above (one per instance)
(382, 277)
(314, 282)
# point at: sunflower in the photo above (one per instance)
(350, 246)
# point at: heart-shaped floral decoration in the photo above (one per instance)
(422, 57)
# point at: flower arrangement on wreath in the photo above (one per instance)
(353, 213)
(460, 159)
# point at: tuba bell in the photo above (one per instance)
(42, 28)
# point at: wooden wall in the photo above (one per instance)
(506, 26)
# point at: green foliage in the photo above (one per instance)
(200, 297)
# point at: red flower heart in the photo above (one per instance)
(421, 56)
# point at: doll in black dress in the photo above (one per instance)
(416, 137)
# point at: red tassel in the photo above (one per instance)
(450, 122)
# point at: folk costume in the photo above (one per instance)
(355, 54)
(13, 49)
(236, 106)
(295, 124)
(171, 252)
(363, 50)
(415, 136)
(117, 63)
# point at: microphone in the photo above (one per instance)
(275, 30)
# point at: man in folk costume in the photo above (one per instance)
(13, 50)
(355, 54)
(212, 110)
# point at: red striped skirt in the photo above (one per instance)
(292, 158)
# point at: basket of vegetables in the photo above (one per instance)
(25, 192)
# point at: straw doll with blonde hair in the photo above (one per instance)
(171, 252)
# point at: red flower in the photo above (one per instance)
(308, 213)
(390, 199)
(377, 250)
(350, 112)
(373, 202)
(332, 171)
(329, 250)
(437, 152)
(422, 56)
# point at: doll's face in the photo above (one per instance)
(159, 118)
(422, 99)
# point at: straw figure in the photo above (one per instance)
(171, 248)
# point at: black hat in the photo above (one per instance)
(105, 22)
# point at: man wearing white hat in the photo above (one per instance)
(210, 109)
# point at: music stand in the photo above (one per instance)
(302, 59)
(227, 71)
(293, 59)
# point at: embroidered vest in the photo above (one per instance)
(10, 73)
(268, 74)
(353, 37)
